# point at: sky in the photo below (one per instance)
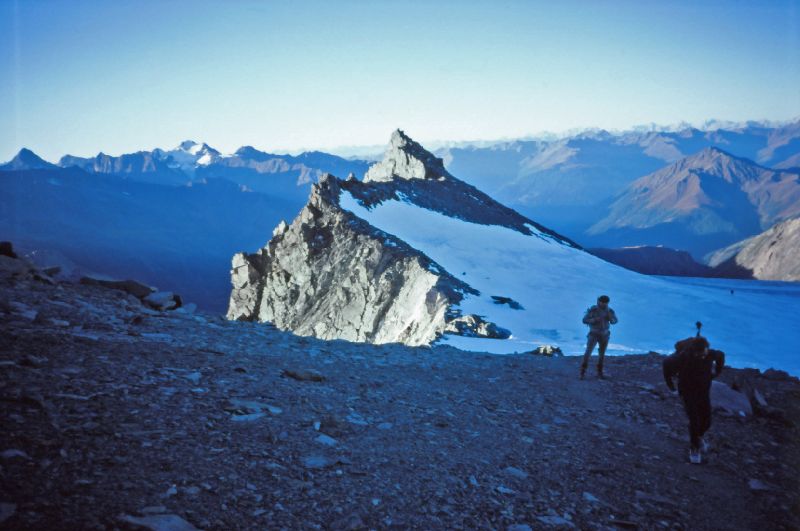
(82, 77)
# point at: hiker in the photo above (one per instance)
(598, 317)
(692, 363)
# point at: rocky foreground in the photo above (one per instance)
(117, 416)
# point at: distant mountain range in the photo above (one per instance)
(171, 218)
(569, 184)
(700, 203)
(174, 217)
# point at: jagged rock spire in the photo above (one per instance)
(406, 159)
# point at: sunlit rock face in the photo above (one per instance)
(333, 276)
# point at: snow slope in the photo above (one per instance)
(756, 325)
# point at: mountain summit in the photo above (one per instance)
(27, 160)
(406, 159)
(706, 201)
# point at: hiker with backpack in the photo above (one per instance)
(599, 318)
(695, 365)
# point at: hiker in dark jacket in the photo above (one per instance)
(692, 362)
(599, 318)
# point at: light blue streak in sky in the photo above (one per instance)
(80, 77)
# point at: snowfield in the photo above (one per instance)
(756, 324)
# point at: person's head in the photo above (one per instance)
(603, 300)
(699, 345)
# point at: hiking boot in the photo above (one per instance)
(694, 456)
(704, 446)
(600, 373)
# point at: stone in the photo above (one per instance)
(326, 440)
(475, 326)
(13, 453)
(725, 398)
(7, 249)
(515, 472)
(590, 498)
(547, 350)
(514, 305)
(163, 300)
(757, 485)
(159, 522)
(316, 461)
(307, 375)
(137, 289)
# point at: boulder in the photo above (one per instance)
(547, 350)
(137, 289)
(6, 249)
(726, 399)
(163, 300)
(475, 326)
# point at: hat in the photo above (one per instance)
(603, 298)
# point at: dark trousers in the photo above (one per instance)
(698, 409)
(592, 340)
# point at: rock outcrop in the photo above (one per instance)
(772, 255)
(330, 274)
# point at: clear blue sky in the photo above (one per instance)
(84, 76)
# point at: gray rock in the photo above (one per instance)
(163, 300)
(590, 498)
(515, 472)
(757, 485)
(326, 440)
(160, 522)
(137, 289)
(306, 375)
(725, 398)
(316, 461)
(475, 326)
(547, 350)
(12, 453)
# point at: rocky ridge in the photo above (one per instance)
(332, 275)
(771, 255)
(116, 416)
(650, 260)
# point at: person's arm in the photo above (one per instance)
(670, 367)
(612, 316)
(719, 361)
(588, 317)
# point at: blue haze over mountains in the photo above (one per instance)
(174, 218)
(570, 184)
